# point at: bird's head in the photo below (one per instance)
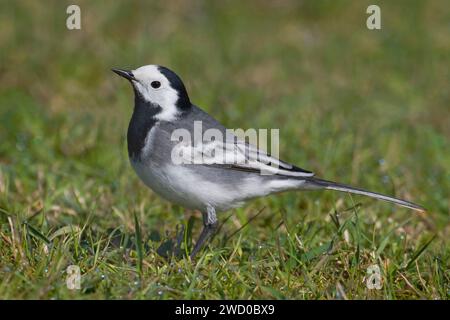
(158, 86)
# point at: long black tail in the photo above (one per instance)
(344, 188)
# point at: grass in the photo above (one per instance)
(370, 108)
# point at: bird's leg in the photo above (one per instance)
(209, 228)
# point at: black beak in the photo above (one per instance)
(127, 74)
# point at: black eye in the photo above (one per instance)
(155, 84)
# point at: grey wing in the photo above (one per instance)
(231, 153)
(246, 157)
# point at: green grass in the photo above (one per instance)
(370, 108)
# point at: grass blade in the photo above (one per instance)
(419, 252)
(36, 233)
(138, 241)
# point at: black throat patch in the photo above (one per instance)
(142, 121)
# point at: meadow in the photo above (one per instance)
(369, 108)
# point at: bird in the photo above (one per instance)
(215, 184)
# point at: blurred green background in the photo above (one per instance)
(369, 108)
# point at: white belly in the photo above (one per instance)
(181, 186)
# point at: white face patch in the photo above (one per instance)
(165, 96)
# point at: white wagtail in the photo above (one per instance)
(162, 105)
